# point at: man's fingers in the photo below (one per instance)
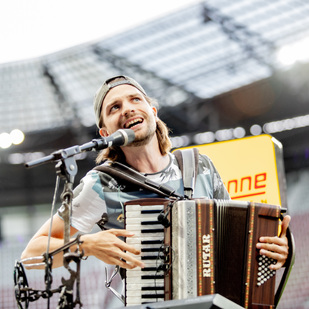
(118, 232)
(276, 244)
(276, 247)
(121, 258)
(112, 250)
(279, 241)
(126, 260)
(131, 262)
(276, 266)
(126, 265)
(125, 247)
(273, 248)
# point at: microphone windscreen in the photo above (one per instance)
(121, 137)
(129, 136)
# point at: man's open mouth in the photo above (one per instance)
(132, 123)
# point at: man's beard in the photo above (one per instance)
(144, 140)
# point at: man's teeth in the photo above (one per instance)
(133, 122)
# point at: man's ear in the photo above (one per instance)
(103, 132)
(155, 112)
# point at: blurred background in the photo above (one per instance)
(220, 70)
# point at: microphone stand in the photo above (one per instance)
(67, 155)
(66, 168)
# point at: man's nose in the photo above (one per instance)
(128, 108)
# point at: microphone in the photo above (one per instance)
(121, 137)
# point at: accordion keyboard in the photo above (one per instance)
(145, 285)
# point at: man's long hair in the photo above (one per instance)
(114, 153)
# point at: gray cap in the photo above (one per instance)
(106, 87)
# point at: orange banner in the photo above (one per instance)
(251, 168)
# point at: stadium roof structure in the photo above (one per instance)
(211, 66)
(197, 53)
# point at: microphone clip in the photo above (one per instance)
(163, 216)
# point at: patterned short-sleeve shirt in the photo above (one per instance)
(98, 193)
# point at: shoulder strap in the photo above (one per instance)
(289, 263)
(121, 171)
(188, 163)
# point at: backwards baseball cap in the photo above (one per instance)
(106, 87)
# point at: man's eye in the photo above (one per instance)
(136, 99)
(114, 108)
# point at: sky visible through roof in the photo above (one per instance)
(33, 28)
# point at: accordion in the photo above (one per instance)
(197, 247)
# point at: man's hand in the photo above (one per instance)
(106, 246)
(276, 247)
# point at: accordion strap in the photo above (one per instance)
(188, 163)
(288, 266)
(123, 172)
